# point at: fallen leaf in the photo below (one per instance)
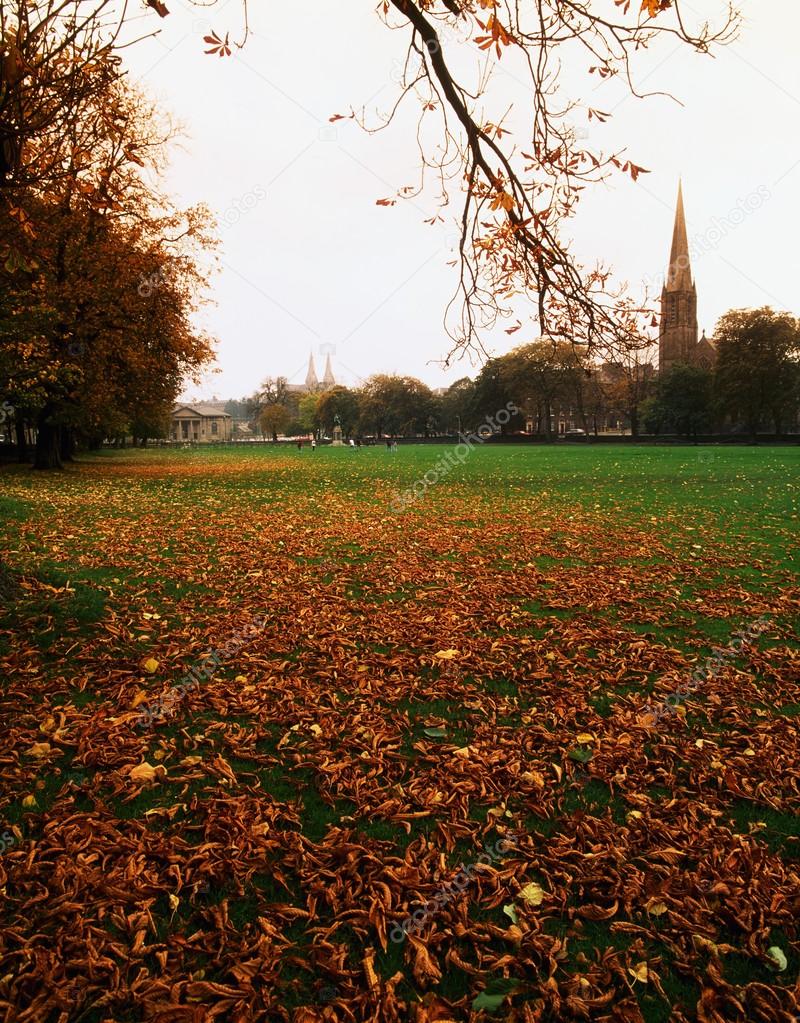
(532, 893)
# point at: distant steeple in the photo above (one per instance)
(312, 383)
(677, 334)
(679, 272)
(328, 379)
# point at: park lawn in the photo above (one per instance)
(482, 666)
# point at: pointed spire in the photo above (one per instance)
(679, 272)
(311, 377)
(328, 380)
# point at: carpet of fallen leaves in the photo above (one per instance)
(424, 684)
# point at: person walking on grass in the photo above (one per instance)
(313, 444)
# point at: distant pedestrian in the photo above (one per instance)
(388, 443)
(352, 443)
(299, 445)
(313, 443)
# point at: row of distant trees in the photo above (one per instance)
(754, 387)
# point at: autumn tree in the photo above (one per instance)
(100, 331)
(57, 58)
(624, 382)
(519, 172)
(273, 419)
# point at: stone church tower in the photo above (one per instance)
(677, 334)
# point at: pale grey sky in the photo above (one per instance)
(308, 260)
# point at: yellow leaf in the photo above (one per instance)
(656, 908)
(532, 894)
(640, 972)
(150, 665)
(534, 777)
(316, 730)
(446, 655)
(140, 697)
(463, 753)
(29, 802)
(39, 749)
(585, 737)
(145, 772)
(240, 678)
(174, 902)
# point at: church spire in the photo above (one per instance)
(677, 334)
(679, 272)
(311, 376)
(328, 380)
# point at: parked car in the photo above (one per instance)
(575, 433)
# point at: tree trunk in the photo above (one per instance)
(547, 421)
(634, 417)
(48, 436)
(22, 441)
(66, 444)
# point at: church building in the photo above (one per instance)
(313, 384)
(678, 340)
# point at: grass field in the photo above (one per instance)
(385, 696)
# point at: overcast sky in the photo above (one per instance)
(310, 263)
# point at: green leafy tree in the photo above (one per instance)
(395, 406)
(341, 405)
(682, 402)
(541, 375)
(308, 417)
(456, 406)
(757, 379)
(490, 392)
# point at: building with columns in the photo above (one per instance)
(201, 424)
(678, 340)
